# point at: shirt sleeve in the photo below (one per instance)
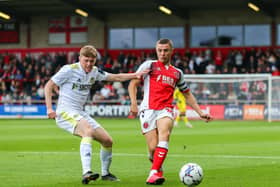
(182, 85)
(100, 74)
(145, 65)
(61, 76)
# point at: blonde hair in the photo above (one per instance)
(88, 51)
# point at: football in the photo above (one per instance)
(191, 174)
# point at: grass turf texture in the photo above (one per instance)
(231, 153)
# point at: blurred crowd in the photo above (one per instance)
(22, 80)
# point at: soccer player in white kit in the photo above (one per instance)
(156, 110)
(74, 82)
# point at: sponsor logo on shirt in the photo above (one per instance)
(168, 80)
(81, 87)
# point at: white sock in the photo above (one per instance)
(106, 159)
(85, 153)
(153, 171)
(163, 144)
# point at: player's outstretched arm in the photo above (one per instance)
(132, 91)
(48, 99)
(191, 101)
(127, 76)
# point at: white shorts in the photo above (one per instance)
(68, 120)
(148, 118)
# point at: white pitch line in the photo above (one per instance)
(169, 155)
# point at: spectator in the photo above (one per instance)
(121, 57)
(219, 61)
(37, 81)
(239, 61)
(116, 67)
(120, 91)
(23, 98)
(97, 97)
(18, 75)
(108, 65)
(276, 71)
(107, 91)
(229, 62)
(40, 92)
(210, 68)
(251, 64)
(231, 97)
(6, 98)
(35, 69)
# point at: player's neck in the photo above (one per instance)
(165, 63)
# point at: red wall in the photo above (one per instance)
(115, 53)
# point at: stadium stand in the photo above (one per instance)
(22, 79)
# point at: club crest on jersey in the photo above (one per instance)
(92, 80)
(176, 74)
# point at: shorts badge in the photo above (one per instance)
(146, 125)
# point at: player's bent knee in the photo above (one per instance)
(107, 142)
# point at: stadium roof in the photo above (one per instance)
(102, 9)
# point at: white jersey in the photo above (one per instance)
(75, 84)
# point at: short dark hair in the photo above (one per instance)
(165, 41)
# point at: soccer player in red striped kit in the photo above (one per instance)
(155, 112)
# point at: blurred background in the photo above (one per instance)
(233, 43)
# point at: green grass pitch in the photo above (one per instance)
(231, 153)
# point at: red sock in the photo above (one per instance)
(159, 156)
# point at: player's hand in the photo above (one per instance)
(51, 114)
(140, 74)
(206, 117)
(133, 110)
